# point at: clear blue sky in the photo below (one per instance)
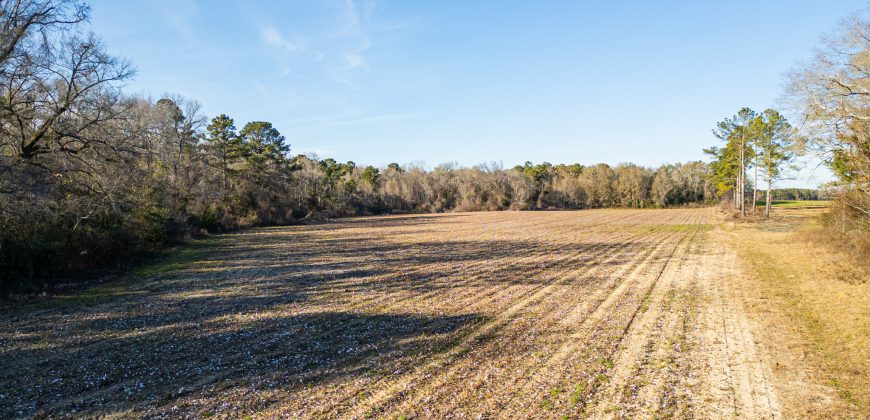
(466, 81)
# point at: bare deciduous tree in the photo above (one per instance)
(832, 96)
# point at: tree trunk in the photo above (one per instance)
(734, 194)
(755, 183)
(767, 198)
(742, 189)
(224, 169)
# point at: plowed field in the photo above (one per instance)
(505, 314)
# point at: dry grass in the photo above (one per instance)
(534, 314)
(817, 300)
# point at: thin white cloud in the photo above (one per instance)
(353, 29)
(351, 17)
(260, 87)
(354, 60)
(272, 37)
(339, 76)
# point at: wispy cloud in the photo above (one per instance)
(341, 44)
(351, 16)
(354, 60)
(332, 57)
(273, 37)
(340, 77)
(353, 30)
(261, 88)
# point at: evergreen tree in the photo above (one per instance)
(775, 139)
(224, 147)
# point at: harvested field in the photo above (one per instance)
(512, 314)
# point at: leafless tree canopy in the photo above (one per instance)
(832, 95)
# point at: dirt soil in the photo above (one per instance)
(601, 313)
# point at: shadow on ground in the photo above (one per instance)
(151, 370)
(252, 313)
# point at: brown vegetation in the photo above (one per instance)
(811, 298)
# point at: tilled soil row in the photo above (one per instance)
(514, 335)
(465, 296)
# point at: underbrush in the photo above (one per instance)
(52, 255)
(847, 229)
(841, 226)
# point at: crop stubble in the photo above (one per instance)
(515, 314)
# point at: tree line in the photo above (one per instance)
(797, 194)
(91, 176)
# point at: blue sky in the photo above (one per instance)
(388, 81)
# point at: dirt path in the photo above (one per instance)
(735, 374)
(610, 313)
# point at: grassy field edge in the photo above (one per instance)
(822, 304)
